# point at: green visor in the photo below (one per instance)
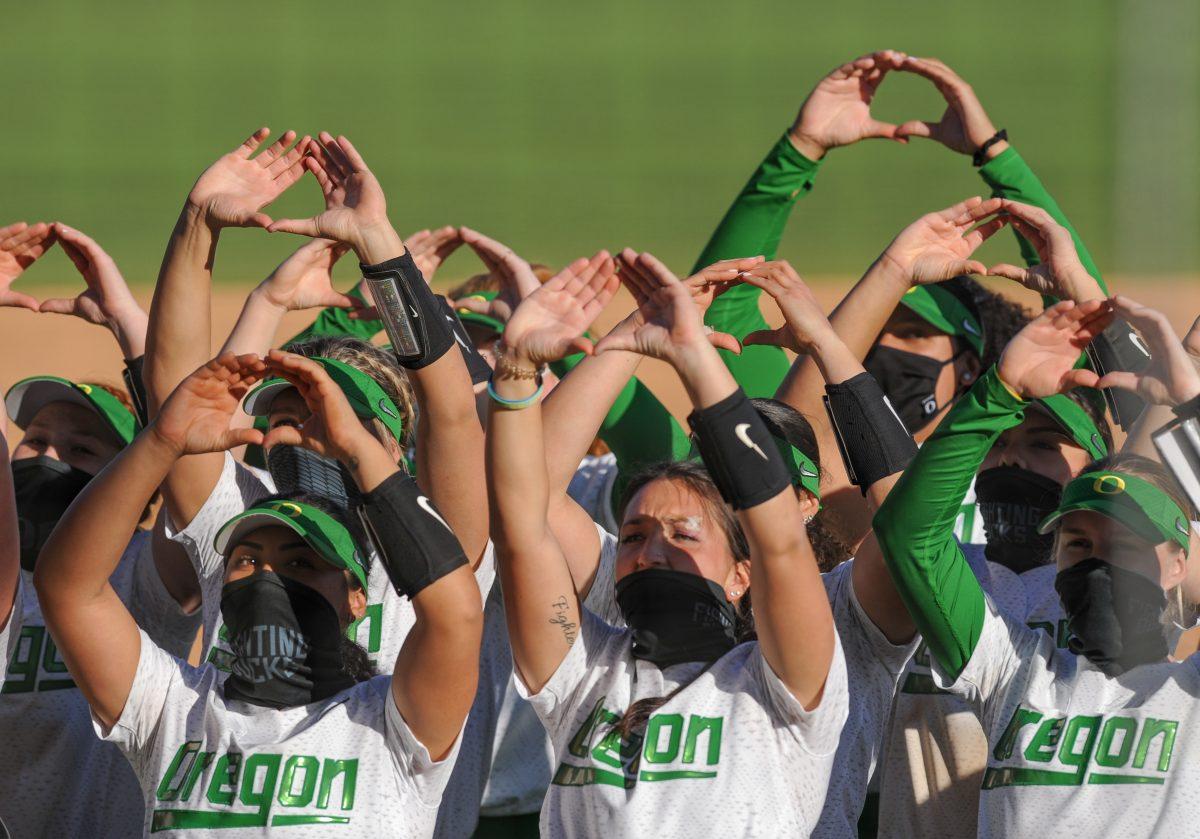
(28, 396)
(1076, 422)
(939, 307)
(323, 533)
(365, 395)
(799, 465)
(476, 319)
(1142, 507)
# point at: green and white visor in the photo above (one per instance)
(942, 309)
(1142, 507)
(799, 465)
(321, 531)
(1076, 422)
(476, 319)
(366, 397)
(28, 396)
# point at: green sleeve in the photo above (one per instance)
(915, 526)
(333, 322)
(1010, 177)
(753, 226)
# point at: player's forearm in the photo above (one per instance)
(256, 325)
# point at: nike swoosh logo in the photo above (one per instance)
(741, 431)
(414, 312)
(970, 327)
(427, 507)
(1136, 340)
(806, 473)
(387, 409)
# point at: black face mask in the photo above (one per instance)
(45, 488)
(909, 380)
(299, 471)
(286, 641)
(676, 617)
(1013, 502)
(1115, 616)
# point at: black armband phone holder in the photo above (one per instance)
(476, 366)
(132, 374)
(739, 452)
(1120, 348)
(409, 310)
(414, 543)
(871, 437)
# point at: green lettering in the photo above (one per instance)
(1152, 728)
(202, 762)
(166, 790)
(1067, 753)
(23, 669)
(348, 770)
(225, 775)
(674, 725)
(261, 797)
(712, 726)
(583, 737)
(1045, 740)
(288, 796)
(373, 619)
(1104, 750)
(1020, 718)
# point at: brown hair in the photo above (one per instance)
(489, 282)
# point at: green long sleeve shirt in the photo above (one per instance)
(752, 226)
(915, 526)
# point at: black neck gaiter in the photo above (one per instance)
(286, 641)
(44, 488)
(1013, 502)
(1115, 616)
(909, 380)
(300, 471)
(676, 616)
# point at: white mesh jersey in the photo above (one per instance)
(347, 765)
(65, 782)
(732, 754)
(1073, 752)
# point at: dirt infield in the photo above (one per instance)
(67, 346)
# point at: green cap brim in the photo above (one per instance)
(28, 396)
(364, 394)
(1076, 422)
(942, 309)
(476, 319)
(323, 533)
(799, 465)
(1138, 505)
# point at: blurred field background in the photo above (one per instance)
(563, 128)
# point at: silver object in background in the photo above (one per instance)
(398, 315)
(1178, 445)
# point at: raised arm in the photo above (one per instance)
(449, 437)
(791, 611)
(836, 113)
(915, 527)
(92, 628)
(10, 539)
(1160, 338)
(230, 193)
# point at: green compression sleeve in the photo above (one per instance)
(335, 322)
(915, 526)
(753, 226)
(1010, 177)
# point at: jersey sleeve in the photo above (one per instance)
(601, 598)
(818, 730)
(752, 226)
(335, 322)
(427, 777)
(915, 526)
(598, 644)
(10, 631)
(153, 607)
(1010, 177)
(865, 647)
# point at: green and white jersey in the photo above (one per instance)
(388, 618)
(1073, 752)
(732, 754)
(10, 630)
(348, 765)
(65, 781)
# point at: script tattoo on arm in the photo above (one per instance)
(570, 629)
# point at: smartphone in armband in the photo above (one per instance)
(1178, 445)
(400, 316)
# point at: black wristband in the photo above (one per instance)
(739, 452)
(1189, 409)
(413, 541)
(132, 374)
(476, 366)
(978, 158)
(409, 310)
(1119, 348)
(871, 437)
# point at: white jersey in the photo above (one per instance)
(388, 618)
(591, 488)
(348, 764)
(63, 781)
(935, 749)
(1074, 752)
(732, 754)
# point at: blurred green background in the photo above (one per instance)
(563, 128)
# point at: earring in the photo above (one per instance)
(967, 377)
(737, 592)
(808, 520)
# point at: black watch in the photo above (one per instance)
(978, 158)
